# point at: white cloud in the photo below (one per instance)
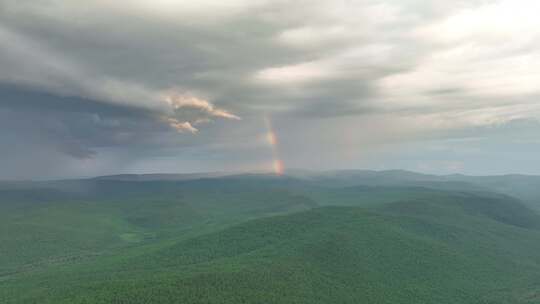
(309, 37)
(295, 74)
(482, 62)
(499, 22)
(204, 112)
(181, 126)
(179, 102)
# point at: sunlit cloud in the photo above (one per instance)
(181, 126)
(179, 102)
(188, 110)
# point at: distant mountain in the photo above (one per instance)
(524, 187)
(161, 176)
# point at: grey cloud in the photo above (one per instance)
(96, 76)
(75, 125)
(141, 51)
(217, 59)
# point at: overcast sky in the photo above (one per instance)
(102, 87)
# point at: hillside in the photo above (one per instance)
(268, 240)
(44, 225)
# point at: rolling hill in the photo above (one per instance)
(265, 239)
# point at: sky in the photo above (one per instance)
(104, 87)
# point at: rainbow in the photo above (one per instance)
(271, 137)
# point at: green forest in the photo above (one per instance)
(341, 237)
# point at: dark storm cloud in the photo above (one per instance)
(76, 126)
(22, 98)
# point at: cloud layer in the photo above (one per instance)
(163, 84)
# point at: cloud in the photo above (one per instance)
(28, 63)
(181, 126)
(109, 76)
(188, 110)
(180, 102)
(294, 74)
